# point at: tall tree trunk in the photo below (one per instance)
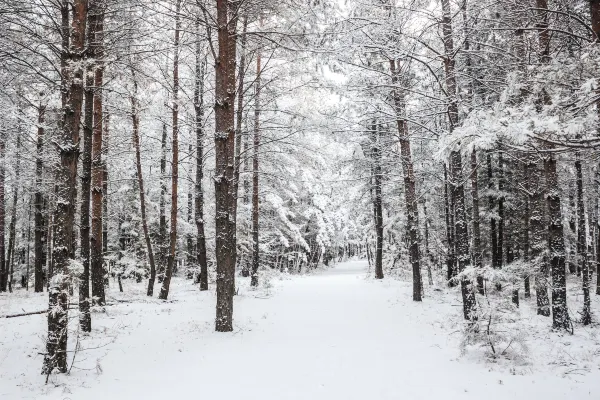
(162, 207)
(224, 164)
(97, 169)
(66, 180)
(13, 217)
(135, 119)
(462, 239)
(164, 291)
(586, 315)
(85, 318)
(238, 130)
(556, 240)
(492, 209)
(255, 199)
(595, 22)
(40, 228)
(3, 264)
(410, 192)
(199, 200)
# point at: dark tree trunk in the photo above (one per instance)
(255, 199)
(462, 239)
(410, 192)
(492, 208)
(556, 240)
(199, 190)
(586, 315)
(66, 181)
(85, 318)
(13, 217)
(224, 164)
(98, 189)
(451, 255)
(377, 199)
(477, 253)
(40, 228)
(162, 206)
(164, 291)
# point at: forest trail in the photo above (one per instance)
(335, 334)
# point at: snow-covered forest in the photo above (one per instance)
(300, 199)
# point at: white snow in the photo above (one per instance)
(336, 334)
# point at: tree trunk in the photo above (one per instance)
(556, 240)
(66, 181)
(164, 291)
(224, 164)
(377, 199)
(586, 315)
(410, 192)
(97, 170)
(451, 255)
(162, 206)
(13, 217)
(85, 319)
(462, 239)
(255, 199)
(40, 228)
(477, 253)
(199, 200)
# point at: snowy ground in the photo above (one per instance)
(332, 335)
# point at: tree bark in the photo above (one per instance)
(377, 198)
(224, 163)
(477, 253)
(164, 291)
(13, 217)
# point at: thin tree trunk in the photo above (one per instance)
(586, 315)
(255, 199)
(162, 206)
(13, 218)
(477, 253)
(224, 164)
(66, 180)
(40, 228)
(377, 199)
(199, 200)
(164, 291)
(451, 255)
(410, 192)
(97, 170)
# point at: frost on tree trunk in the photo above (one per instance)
(410, 192)
(477, 253)
(225, 223)
(556, 239)
(66, 183)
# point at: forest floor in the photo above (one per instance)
(334, 334)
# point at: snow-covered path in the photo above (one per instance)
(332, 335)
